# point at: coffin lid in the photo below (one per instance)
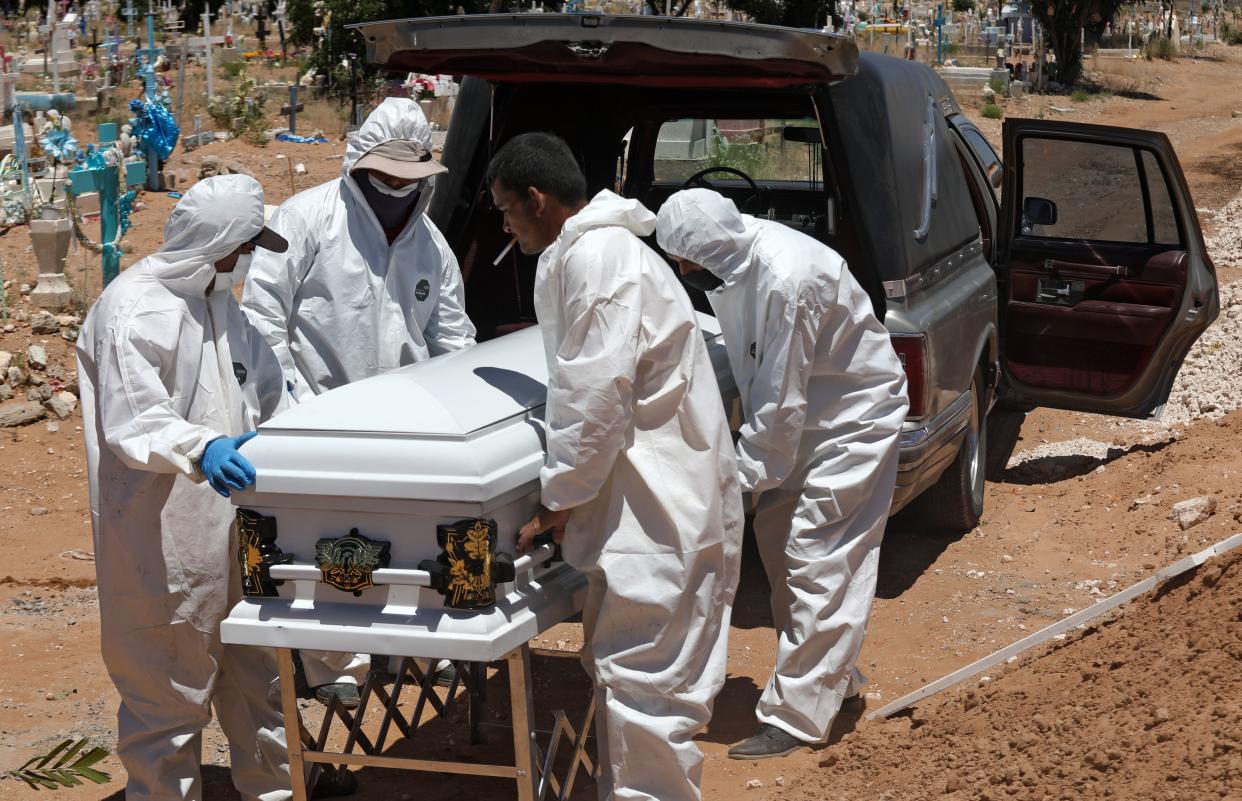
(448, 396)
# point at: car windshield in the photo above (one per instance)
(770, 151)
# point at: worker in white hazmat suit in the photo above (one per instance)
(640, 479)
(368, 284)
(824, 398)
(174, 381)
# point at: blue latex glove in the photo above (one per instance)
(224, 467)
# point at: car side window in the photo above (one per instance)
(1094, 191)
(988, 160)
(1163, 217)
(978, 196)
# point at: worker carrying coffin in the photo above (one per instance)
(174, 381)
(824, 397)
(639, 478)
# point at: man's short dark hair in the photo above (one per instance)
(540, 160)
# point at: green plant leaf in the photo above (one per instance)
(35, 779)
(90, 758)
(64, 777)
(96, 776)
(63, 774)
(71, 753)
(53, 753)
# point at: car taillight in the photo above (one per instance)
(912, 351)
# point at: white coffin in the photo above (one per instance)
(453, 438)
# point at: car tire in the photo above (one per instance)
(954, 504)
(1004, 429)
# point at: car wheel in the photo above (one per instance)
(954, 503)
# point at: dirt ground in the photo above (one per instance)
(1143, 707)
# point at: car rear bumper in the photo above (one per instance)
(925, 452)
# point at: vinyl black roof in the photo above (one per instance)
(879, 116)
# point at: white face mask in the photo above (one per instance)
(384, 188)
(226, 281)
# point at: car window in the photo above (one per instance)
(764, 149)
(1164, 220)
(988, 159)
(1093, 191)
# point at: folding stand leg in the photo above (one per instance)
(578, 759)
(477, 708)
(293, 724)
(523, 737)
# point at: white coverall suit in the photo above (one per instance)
(639, 448)
(341, 304)
(824, 398)
(166, 368)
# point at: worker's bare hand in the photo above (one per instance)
(544, 520)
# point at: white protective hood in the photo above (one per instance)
(706, 228)
(212, 220)
(395, 118)
(606, 209)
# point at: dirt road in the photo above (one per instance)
(1082, 511)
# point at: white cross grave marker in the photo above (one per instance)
(206, 41)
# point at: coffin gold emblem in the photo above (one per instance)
(257, 552)
(349, 563)
(469, 546)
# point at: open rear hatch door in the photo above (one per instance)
(592, 48)
(1108, 279)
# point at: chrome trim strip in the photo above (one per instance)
(913, 444)
(930, 276)
(929, 171)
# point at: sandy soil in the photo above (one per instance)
(1064, 526)
(1084, 720)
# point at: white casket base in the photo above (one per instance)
(404, 626)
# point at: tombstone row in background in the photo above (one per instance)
(34, 191)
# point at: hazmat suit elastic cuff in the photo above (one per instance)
(554, 506)
(561, 493)
(196, 453)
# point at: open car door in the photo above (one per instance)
(1108, 282)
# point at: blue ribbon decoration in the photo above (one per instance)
(155, 127)
(125, 205)
(301, 140)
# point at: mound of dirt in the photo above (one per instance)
(1146, 706)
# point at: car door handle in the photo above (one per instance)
(1114, 270)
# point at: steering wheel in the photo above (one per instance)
(699, 179)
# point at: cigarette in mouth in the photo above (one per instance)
(505, 252)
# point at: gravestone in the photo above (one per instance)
(50, 235)
(8, 83)
(208, 43)
(291, 110)
(682, 140)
